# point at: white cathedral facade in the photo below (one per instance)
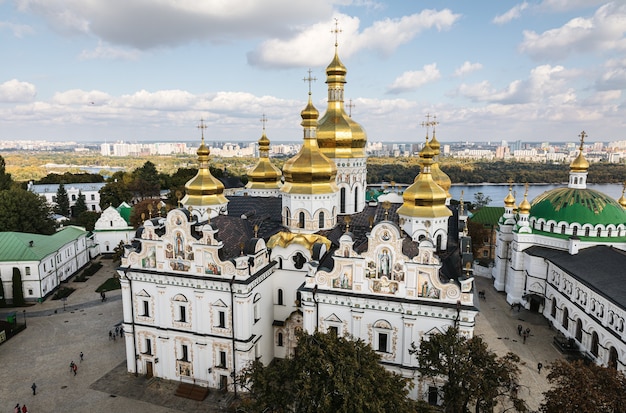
(224, 281)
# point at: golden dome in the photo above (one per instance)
(338, 136)
(204, 189)
(580, 164)
(509, 201)
(264, 175)
(622, 199)
(424, 198)
(524, 207)
(309, 171)
(439, 176)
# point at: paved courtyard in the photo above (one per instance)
(54, 337)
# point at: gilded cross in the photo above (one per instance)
(202, 127)
(310, 79)
(263, 120)
(350, 106)
(336, 31)
(582, 137)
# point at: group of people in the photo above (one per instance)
(118, 332)
(523, 333)
(19, 409)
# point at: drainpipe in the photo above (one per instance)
(232, 326)
(132, 315)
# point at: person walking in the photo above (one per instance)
(75, 368)
(72, 366)
(81, 356)
(110, 335)
(539, 366)
(525, 336)
(519, 329)
(24, 409)
(34, 387)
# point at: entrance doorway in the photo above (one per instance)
(223, 383)
(148, 369)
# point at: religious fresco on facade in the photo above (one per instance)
(210, 267)
(384, 286)
(149, 261)
(384, 263)
(426, 289)
(398, 272)
(179, 246)
(344, 281)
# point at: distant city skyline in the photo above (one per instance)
(149, 71)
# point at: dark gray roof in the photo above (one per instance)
(601, 268)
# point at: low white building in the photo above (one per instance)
(112, 228)
(91, 191)
(44, 261)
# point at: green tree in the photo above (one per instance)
(118, 252)
(62, 206)
(114, 193)
(326, 374)
(18, 291)
(583, 387)
(80, 206)
(24, 211)
(5, 179)
(481, 200)
(88, 219)
(473, 375)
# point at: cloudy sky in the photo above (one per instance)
(137, 70)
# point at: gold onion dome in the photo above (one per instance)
(338, 136)
(622, 199)
(509, 201)
(264, 175)
(309, 171)
(424, 198)
(204, 189)
(524, 207)
(580, 164)
(439, 176)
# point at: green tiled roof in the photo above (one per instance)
(584, 206)
(487, 215)
(15, 246)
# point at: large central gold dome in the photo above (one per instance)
(338, 136)
(309, 171)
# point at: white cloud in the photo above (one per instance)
(412, 80)
(15, 91)
(145, 24)
(514, 13)
(103, 51)
(605, 30)
(467, 67)
(80, 97)
(307, 47)
(613, 77)
(19, 30)
(567, 5)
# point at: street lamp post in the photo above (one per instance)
(24, 312)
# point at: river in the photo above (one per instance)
(497, 192)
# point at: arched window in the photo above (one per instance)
(565, 318)
(552, 227)
(280, 296)
(579, 330)
(321, 220)
(280, 339)
(356, 199)
(609, 232)
(553, 309)
(563, 229)
(612, 358)
(575, 231)
(541, 226)
(594, 344)
(587, 231)
(599, 232)
(342, 201)
(301, 220)
(287, 217)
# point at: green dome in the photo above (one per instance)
(584, 206)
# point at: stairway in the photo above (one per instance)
(192, 391)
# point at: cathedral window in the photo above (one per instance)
(301, 220)
(342, 200)
(383, 342)
(148, 346)
(146, 308)
(382, 336)
(599, 232)
(280, 339)
(182, 312)
(565, 318)
(321, 220)
(184, 353)
(221, 319)
(222, 360)
(563, 229)
(280, 297)
(553, 309)
(594, 344)
(579, 330)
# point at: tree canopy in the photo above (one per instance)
(62, 206)
(583, 387)
(24, 211)
(5, 179)
(326, 374)
(472, 374)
